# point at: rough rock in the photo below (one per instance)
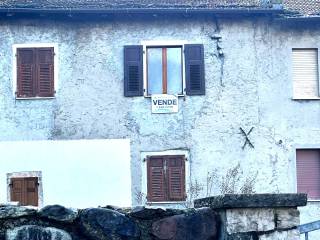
(9, 211)
(242, 236)
(286, 235)
(101, 223)
(58, 213)
(249, 220)
(141, 212)
(200, 224)
(287, 218)
(31, 232)
(253, 201)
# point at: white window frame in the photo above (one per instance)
(307, 46)
(162, 43)
(15, 47)
(26, 174)
(144, 171)
(294, 156)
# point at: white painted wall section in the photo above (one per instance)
(77, 173)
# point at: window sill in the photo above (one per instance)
(179, 95)
(34, 98)
(159, 203)
(313, 200)
(305, 99)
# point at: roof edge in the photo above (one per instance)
(252, 10)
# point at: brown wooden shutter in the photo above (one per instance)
(194, 60)
(24, 191)
(156, 179)
(176, 178)
(16, 190)
(45, 72)
(26, 75)
(133, 71)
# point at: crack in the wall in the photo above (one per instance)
(220, 54)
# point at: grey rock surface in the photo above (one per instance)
(287, 218)
(199, 224)
(105, 224)
(253, 201)
(31, 232)
(59, 213)
(9, 211)
(141, 212)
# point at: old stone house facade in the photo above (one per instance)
(245, 79)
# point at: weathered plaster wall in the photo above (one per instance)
(250, 87)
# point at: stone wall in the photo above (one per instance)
(257, 217)
(106, 223)
(228, 217)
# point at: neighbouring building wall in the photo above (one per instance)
(250, 85)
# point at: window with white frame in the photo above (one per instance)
(155, 68)
(25, 188)
(305, 73)
(308, 172)
(166, 178)
(35, 70)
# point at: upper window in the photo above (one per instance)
(305, 73)
(35, 72)
(308, 172)
(174, 69)
(166, 178)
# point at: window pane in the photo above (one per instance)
(174, 70)
(154, 70)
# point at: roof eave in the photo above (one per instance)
(144, 11)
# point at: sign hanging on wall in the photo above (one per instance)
(164, 103)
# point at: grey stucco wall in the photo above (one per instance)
(250, 87)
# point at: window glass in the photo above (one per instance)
(154, 59)
(164, 70)
(174, 62)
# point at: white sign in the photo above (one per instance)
(164, 103)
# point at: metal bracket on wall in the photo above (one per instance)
(246, 135)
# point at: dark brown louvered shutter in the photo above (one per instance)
(133, 71)
(26, 74)
(194, 60)
(156, 179)
(24, 191)
(45, 72)
(176, 178)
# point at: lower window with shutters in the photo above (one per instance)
(308, 172)
(166, 178)
(25, 188)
